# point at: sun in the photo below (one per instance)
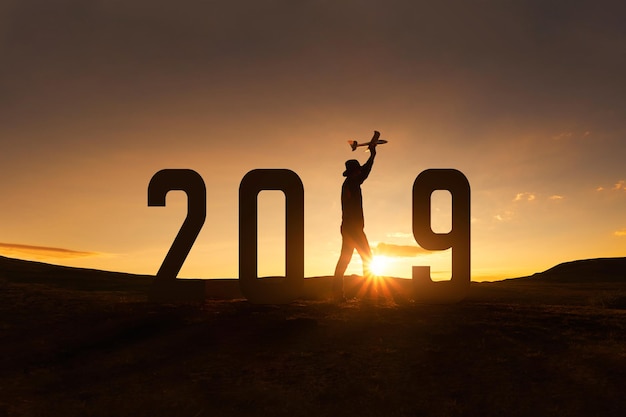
(379, 265)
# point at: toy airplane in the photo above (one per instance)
(375, 141)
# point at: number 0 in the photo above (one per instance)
(268, 291)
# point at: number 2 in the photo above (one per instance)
(166, 286)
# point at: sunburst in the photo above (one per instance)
(379, 264)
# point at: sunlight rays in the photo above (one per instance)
(379, 265)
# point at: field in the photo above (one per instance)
(87, 343)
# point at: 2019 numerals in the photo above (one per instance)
(285, 290)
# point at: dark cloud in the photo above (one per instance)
(133, 40)
(528, 61)
(42, 251)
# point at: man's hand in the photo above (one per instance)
(374, 142)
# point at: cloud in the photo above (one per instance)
(401, 235)
(562, 136)
(556, 197)
(504, 217)
(618, 186)
(524, 196)
(42, 252)
(620, 233)
(388, 249)
(571, 135)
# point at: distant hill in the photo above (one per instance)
(585, 271)
(601, 270)
(20, 271)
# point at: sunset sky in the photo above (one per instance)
(526, 98)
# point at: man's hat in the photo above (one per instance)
(351, 165)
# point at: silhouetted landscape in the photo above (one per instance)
(80, 342)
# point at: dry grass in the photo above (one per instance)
(510, 349)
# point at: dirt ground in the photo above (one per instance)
(511, 348)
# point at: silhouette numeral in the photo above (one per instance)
(458, 238)
(166, 285)
(278, 290)
(271, 290)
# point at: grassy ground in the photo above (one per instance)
(512, 348)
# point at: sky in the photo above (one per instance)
(526, 98)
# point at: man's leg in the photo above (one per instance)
(363, 248)
(347, 248)
(374, 291)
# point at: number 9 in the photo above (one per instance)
(455, 290)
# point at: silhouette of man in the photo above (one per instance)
(352, 221)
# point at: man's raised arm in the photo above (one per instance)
(367, 166)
